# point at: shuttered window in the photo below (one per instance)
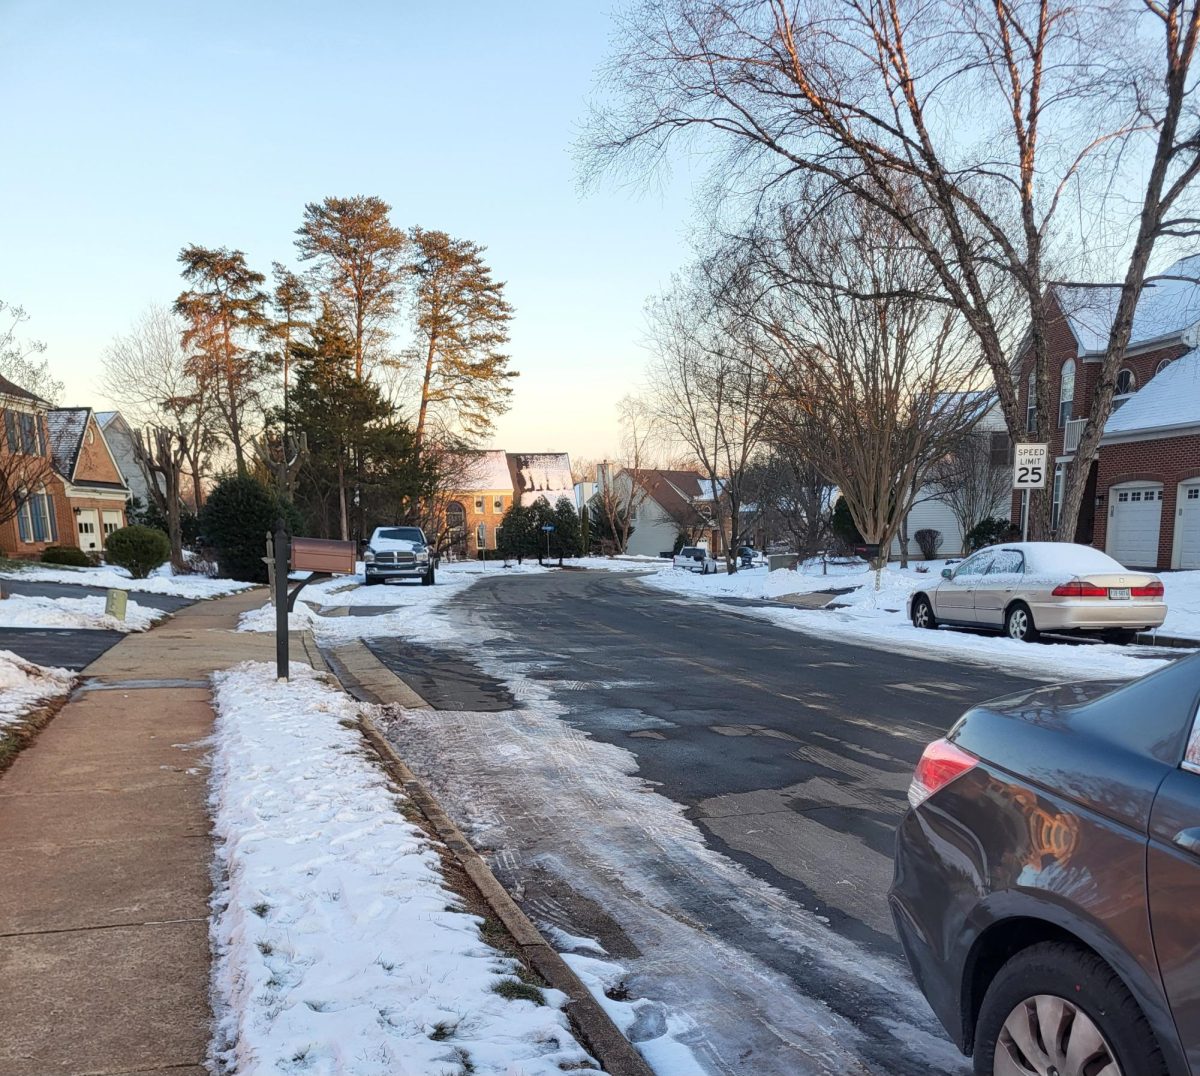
(10, 432)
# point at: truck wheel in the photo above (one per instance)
(372, 582)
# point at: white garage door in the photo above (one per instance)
(1134, 515)
(1188, 523)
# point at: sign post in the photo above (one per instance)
(547, 528)
(282, 552)
(1029, 472)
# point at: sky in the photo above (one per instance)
(133, 129)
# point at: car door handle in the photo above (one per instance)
(1189, 840)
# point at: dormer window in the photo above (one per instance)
(1126, 383)
(1162, 366)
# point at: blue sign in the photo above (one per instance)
(547, 527)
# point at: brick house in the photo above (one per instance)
(493, 480)
(94, 489)
(1142, 500)
(24, 435)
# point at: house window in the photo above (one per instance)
(25, 521)
(1031, 403)
(1136, 495)
(1162, 366)
(112, 522)
(498, 505)
(1193, 494)
(1000, 449)
(1066, 392)
(478, 504)
(481, 536)
(1122, 496)
(1126, 382)
(456, 517)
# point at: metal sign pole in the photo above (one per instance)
(1025, 518)
(282, 555)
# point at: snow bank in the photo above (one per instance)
(24, 611)
(1183, 604)
(161, 581)
(879, 618)
(339, 948)
(24, 685)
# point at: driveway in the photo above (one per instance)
(790, 753)
(71, 648)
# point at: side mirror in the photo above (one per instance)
(947, 573)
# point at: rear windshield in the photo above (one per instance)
(400, 534)
(688, 551)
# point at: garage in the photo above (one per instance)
(1134, 518)
(1187, 525)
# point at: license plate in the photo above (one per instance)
(1118, 593)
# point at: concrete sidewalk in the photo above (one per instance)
(104, 840)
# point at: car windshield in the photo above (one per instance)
(688, 551)
(400, 534)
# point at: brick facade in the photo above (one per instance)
(1167, 460)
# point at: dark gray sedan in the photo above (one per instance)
(1047, 883)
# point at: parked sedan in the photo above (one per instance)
(1026, 588)
(1047, 879)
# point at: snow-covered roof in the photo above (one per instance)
(541, 474)
(1169, 400)
(486, 471)
(1167, 308)
(66, 426)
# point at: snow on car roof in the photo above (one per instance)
(1055, 558)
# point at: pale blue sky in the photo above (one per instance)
(131, 129)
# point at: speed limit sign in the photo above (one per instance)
(1029, 466)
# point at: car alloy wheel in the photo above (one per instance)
(1050, 1036)
(1018, 623)
(922, 616)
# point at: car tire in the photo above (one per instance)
(1119, 636)
(1018, 623)
(1084, 1001)
(427, 578)
(372, 582)
(922, 613)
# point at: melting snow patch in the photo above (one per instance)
(24, 686)
(161, 581)
(23, 611)
(338, 946)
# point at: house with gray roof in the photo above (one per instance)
(93, 484)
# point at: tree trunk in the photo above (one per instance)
(343, 519)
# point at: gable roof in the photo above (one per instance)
(672, 491)
(1166, 309)
(541, 474)
(1170, 400)
(67, 426)
(10, 388)
(485, 471)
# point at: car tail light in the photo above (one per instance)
(1150, 590)
(1079, 589)
(941, 763)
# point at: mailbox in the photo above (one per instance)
(324, 555)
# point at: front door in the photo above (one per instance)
(954, 598)
(87, 522)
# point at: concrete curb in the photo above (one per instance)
(1148, 638)
(600, 1035)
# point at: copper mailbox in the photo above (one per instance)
(324, 555)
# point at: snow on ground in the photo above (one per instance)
(24, 685)
(1183, 604)
(878, 618)
(339, 947)
(161, 581)
(26, 611)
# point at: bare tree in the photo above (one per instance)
(793, 500)
(869, 390)
(160, 453)
(21, 361)
(146, 373)
(714, 392)
(621, 489)
(973, 479)
(1083, 131)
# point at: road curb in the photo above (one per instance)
(616, 1054)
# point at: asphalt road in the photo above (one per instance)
(66, 647)
(792, 753)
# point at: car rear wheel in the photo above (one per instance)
(1056, 1009)
(922, 613)
(1018, 623)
